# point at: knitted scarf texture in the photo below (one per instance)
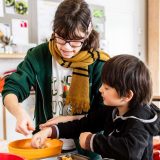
(78, 96)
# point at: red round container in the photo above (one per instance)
(156, 147)
(156, 152)
(8, 156)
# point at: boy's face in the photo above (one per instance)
(111, 97)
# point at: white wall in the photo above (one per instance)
(125, 26)
(125, 29)
(8, 64)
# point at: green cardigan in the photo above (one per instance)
(36, 71)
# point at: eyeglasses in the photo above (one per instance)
(72, 43)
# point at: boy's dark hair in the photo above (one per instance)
(72, 16)
(125, 73)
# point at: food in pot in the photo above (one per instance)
(66, 158)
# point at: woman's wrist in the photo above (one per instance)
(49, 130)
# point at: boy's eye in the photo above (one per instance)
(106, 88)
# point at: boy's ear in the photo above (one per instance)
(128, 96)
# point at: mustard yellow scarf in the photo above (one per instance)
(78, 96)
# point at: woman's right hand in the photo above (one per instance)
(24, 124)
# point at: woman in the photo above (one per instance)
(64, 72)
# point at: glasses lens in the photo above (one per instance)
(72, 43)
(75, 43)
(60, 41)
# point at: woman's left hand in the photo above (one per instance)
(59, 119)
(38, 140)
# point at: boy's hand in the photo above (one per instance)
(83, 138)
(39, 138)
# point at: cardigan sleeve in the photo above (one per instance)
(95, 83)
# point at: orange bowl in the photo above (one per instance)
(156, 151)
(23, 148)
(156, 147)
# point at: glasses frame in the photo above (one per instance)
(68, 41)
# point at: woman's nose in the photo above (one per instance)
(67, 45)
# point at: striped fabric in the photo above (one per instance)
(78, 95)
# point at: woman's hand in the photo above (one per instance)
(24, 124)
(38, 140)
(60, 119)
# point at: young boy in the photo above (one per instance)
(128, 118)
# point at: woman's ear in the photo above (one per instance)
(128, 96)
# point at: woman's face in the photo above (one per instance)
(69, 48)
